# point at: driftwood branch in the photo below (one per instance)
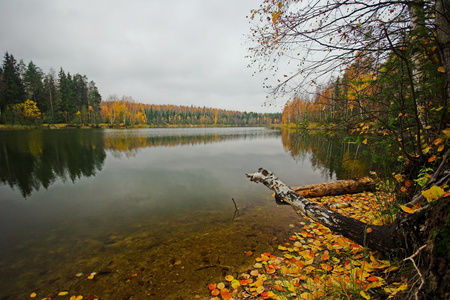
(338, 187)
(403, 235)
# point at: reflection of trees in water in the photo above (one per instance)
(130, 142)
(31, 159)
(329, 153)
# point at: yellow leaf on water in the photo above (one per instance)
(235, 284)
(63, 293)
(33, 295)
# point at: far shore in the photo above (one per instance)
(119, 126)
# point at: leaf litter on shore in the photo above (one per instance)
(317, 264)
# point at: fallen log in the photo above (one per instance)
(338, 187)
(402, 236)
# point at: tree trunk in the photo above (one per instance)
(443, 34)
(338, 187)
(403, 236)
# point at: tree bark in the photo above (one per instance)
(402, 237)
(338, 187)
(442, 23)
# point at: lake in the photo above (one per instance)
(149, 210)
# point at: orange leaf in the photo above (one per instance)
(325, 256)
(372, 278)
(326, 267)
(369, 230)
(215, 292)
(212, 286)
(279, 288)
(225, 295)
(431, 159)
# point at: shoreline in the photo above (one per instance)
(106, 126)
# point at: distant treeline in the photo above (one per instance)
(126, 112)
(28, 96)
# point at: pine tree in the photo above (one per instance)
(12, 90)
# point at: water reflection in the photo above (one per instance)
(35, 158)
(31, 159)
(329, 153)
(129, 142)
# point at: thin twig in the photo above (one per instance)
(417, 269)
(236, 211)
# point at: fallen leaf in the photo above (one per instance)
(260, 289)
(433, 193)
(364, 295)
(225, 295)
(63, 293)
(325, 256)
(406, 209)
(33, 295)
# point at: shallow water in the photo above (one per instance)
(150, 209)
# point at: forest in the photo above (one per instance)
(28, 96)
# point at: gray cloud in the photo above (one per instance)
(175, 52)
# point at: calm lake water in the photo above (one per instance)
(149, 210)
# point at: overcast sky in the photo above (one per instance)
(182, 52)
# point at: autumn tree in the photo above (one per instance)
(26, 113)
